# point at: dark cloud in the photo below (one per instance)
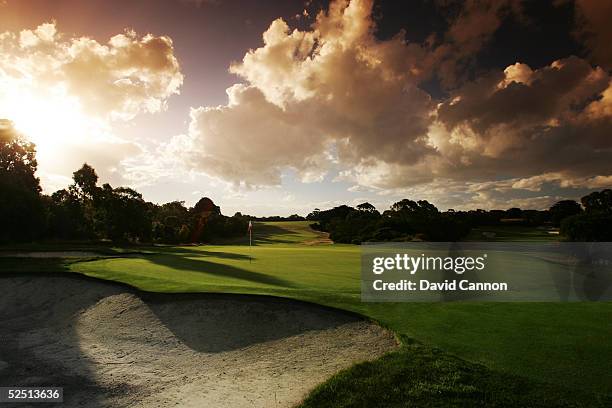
(594, 28)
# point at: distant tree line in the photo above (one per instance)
(277, 218)
(87, 211)
(408, 220)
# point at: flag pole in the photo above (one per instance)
(250, 241)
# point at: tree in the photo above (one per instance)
(422, 207)
(514, 212)
(205, 206)
(17, 159)
(588, 227)
(367, 208)
(405, 205)
(85, 181)
(73, 211)
(598, 201)
(314, 215)
(595, 223)
(67, 218)
(563, 209)
(169, 220)
(21, 210)
(122, 214)
(202, 214)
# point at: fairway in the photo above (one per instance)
(561, 343)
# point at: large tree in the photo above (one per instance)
(85, 182)
(598, 201)
(17, 159)
(21, 210)
(595, 222)
(563, 209)
(122, 214)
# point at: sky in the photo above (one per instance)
(280, 107)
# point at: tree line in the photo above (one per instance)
(87, 211)
(407, 220)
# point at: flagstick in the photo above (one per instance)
(250, 242)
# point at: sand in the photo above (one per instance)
(110, 345)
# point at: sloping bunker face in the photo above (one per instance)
(109, 345)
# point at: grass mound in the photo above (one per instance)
(420, 376)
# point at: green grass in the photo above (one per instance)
(280, 233)
(419, 376)
(548, 346)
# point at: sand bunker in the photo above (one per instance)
(108, 345)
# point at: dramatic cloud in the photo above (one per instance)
(510, 123)
(120, 79)
(65, 93)
(332, 91)
(468, 33)
(595, 30)
(336, 97)
(251, 140)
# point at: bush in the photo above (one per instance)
(588, 227)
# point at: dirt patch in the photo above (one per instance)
(108, 345)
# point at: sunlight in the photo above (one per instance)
(51, 118)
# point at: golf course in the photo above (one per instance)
(451, 354)
(305, 204)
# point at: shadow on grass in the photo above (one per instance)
(193, 260)
(36, 265)
(265, 234)
(274, 234)
(199, 251)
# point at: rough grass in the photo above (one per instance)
(561, 345)
(419, 376)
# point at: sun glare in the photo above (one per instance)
(50, 119)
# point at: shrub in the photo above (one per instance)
(588, 227)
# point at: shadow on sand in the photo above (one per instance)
(32, 306)
(40, 343)
(213, 323)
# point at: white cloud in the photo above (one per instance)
(310, 93)
(66, 93)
